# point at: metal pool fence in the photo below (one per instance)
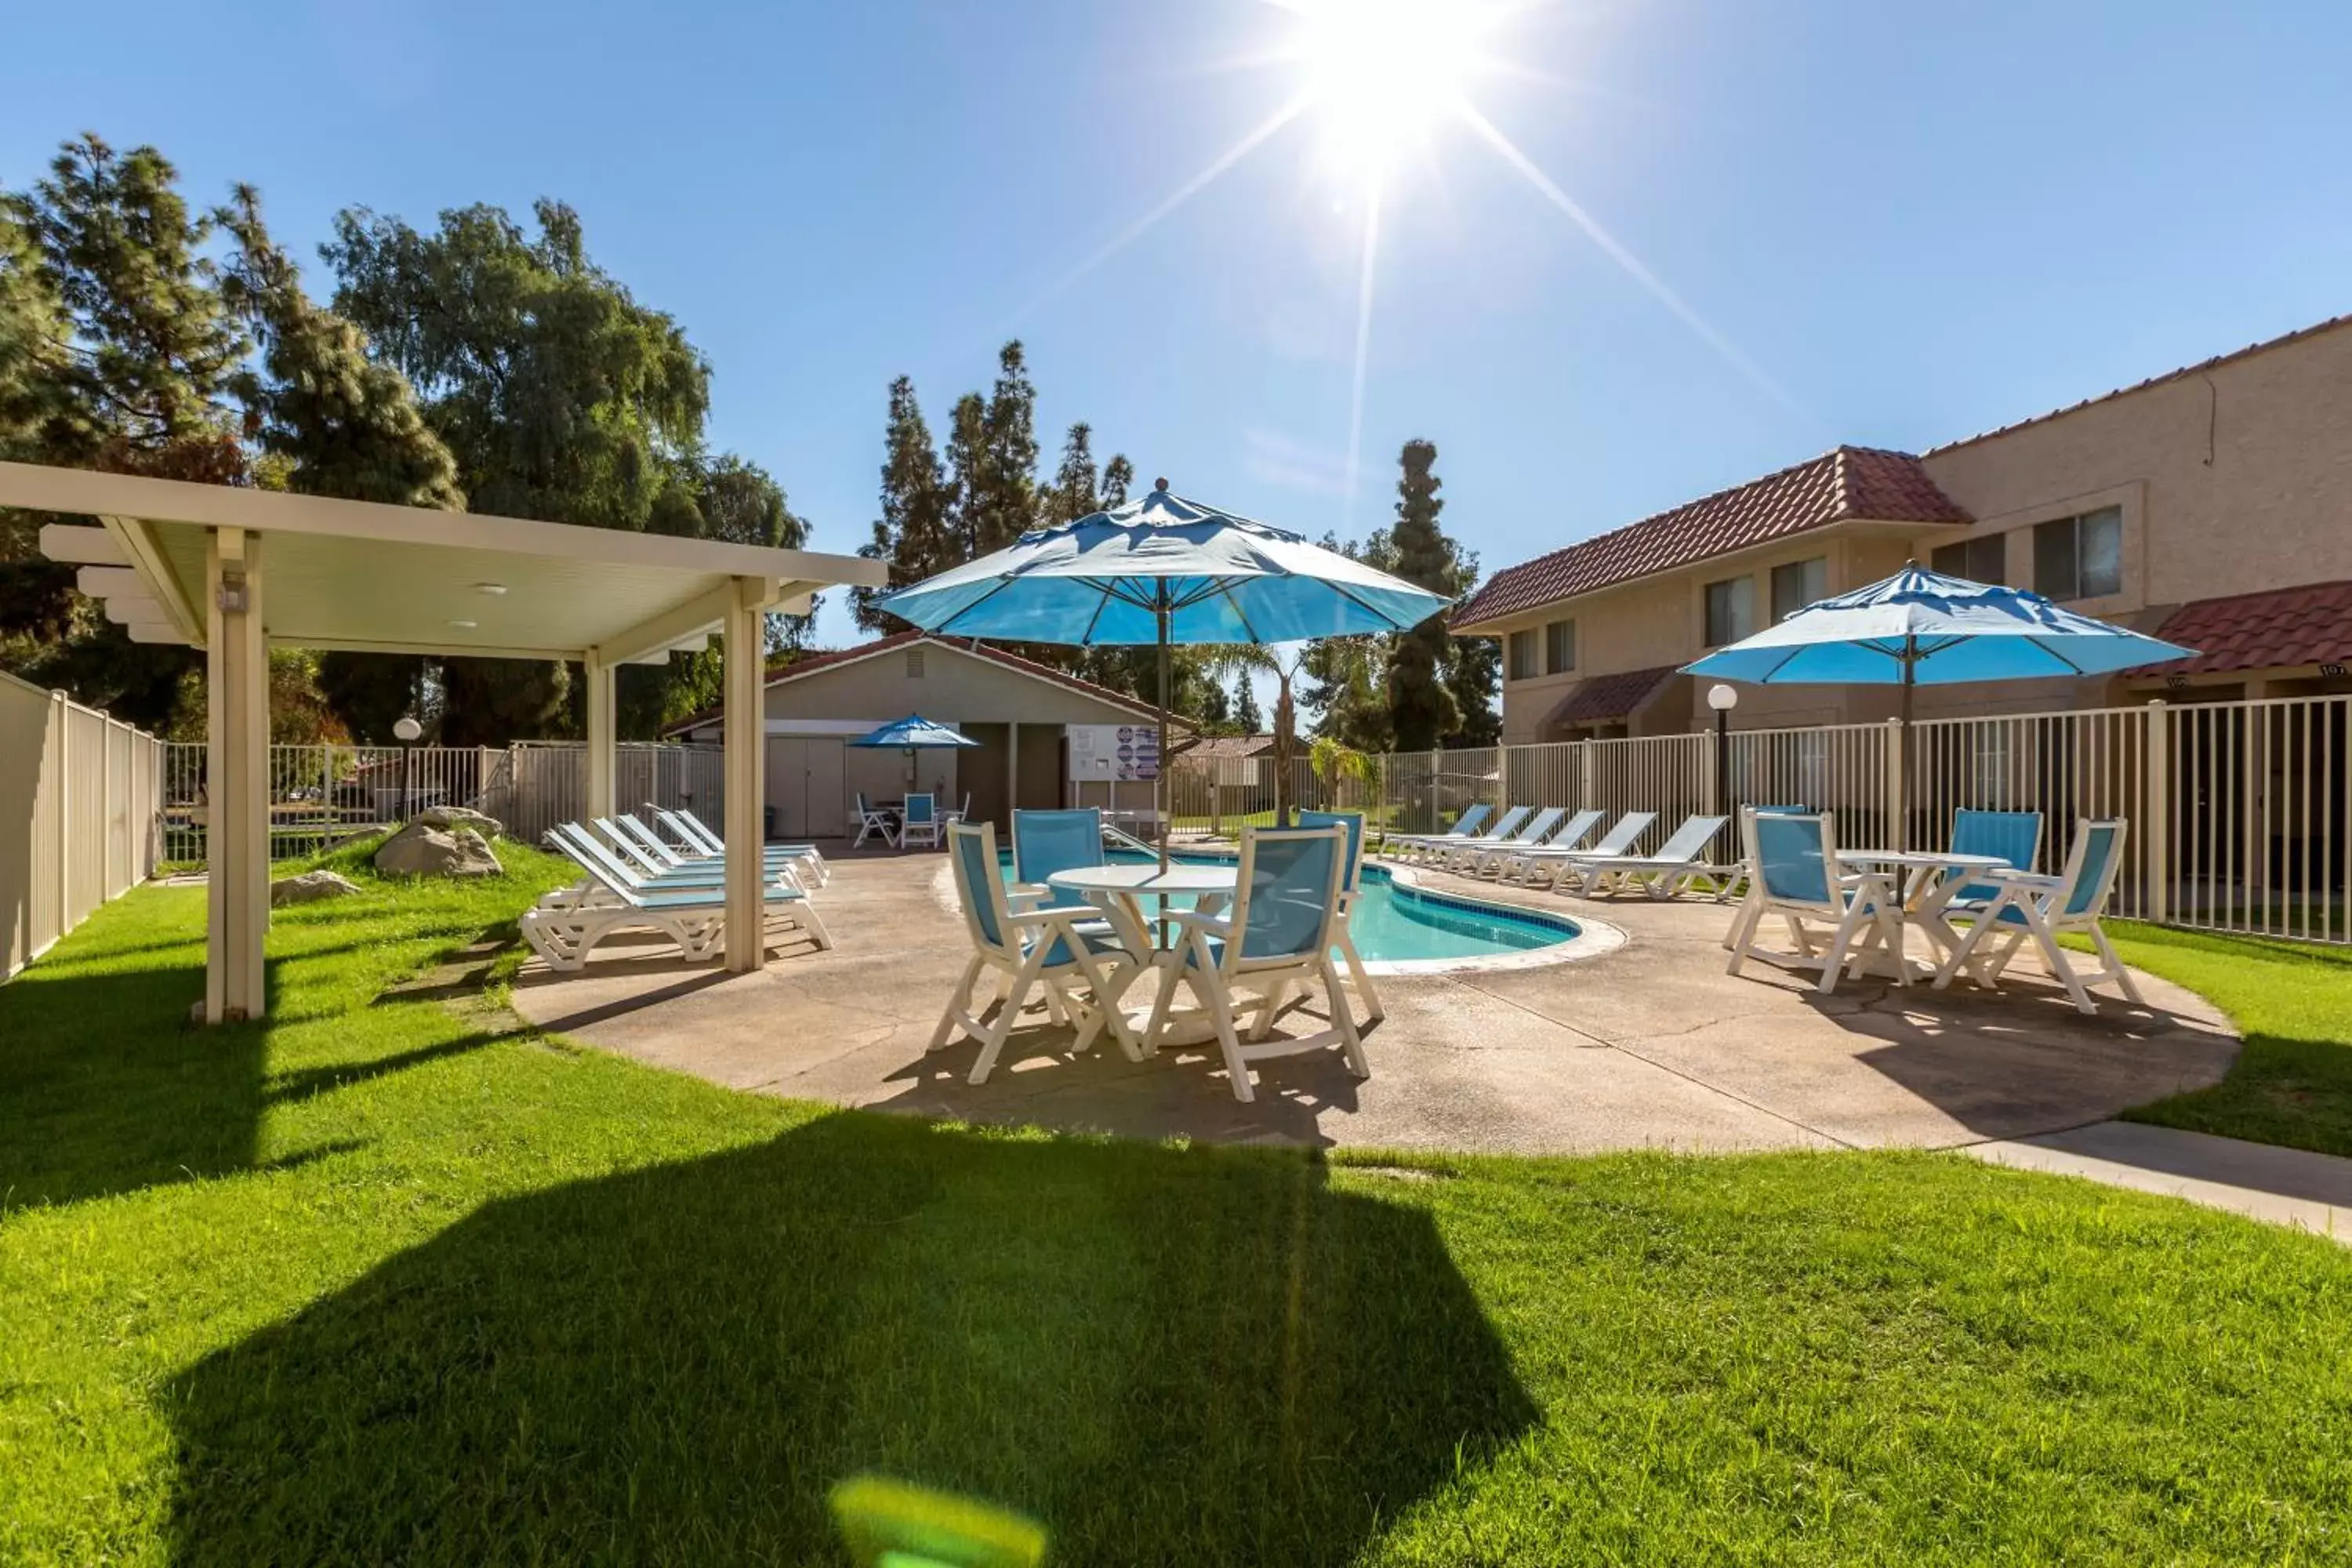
(2240, 813)
(319, 795)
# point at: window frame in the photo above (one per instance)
(2072, 530)
(1553, 640)
(1513, 667)
(1804, 596)
(1996, 544)
(1742, 597)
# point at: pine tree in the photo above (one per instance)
(1118, 474)
(1007, 505)
(1246, 712)
(1421, 708)
(913, 533)
(1077, 489)
(967, 471)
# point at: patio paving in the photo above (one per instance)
(1649, 1046)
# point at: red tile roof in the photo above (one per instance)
(810, 663)
(1843, 485)
(1231, 747)
(1609, 696)
(2185, 372)
(2280, 629)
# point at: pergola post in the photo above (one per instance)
(743, 729)
(602, 761)
(236, 778)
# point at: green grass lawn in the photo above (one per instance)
(2293, 1003)
(392, 1279)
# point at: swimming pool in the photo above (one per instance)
(1401, 925)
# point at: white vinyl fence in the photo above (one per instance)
(79, 799)
(2240, 813)
(320, 795)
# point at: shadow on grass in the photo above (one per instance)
(1166, 1355)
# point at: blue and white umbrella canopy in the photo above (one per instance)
(1922, 628)
(912, 733)
(1110, 578)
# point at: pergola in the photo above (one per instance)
(237, 572)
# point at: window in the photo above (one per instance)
(1523, 655)
(1984, 559)
(1559, 647)
(2080, 557)
(1799, 583)
(1730, 610)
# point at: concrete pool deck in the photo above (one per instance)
(1650, 1045)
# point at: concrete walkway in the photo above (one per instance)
(1650, 1045)
(2285, 1187)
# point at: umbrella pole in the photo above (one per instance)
(1903, 762)
(1159, 770)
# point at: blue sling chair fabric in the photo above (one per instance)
(1044, 842)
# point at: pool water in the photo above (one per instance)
(1394, 924)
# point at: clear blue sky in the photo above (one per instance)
(1914, 222)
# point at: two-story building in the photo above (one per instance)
(2212, 506)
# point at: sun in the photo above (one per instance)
(1381, 73)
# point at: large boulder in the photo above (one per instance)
(453, 817)
(420, 849)
(310, 887)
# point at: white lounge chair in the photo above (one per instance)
(563, 926)
(1277, 935)
(871, 820)
(1506, 830)
(1677, 863)
(1485, 856)
(2038, 909)
(1543, 864)
(920, 820)
(1408, 846)
(1070, 950)
(692, 848)
(1793, 871)
(1514, 867)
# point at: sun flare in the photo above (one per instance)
(1381, 73)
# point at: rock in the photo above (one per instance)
(451, 816)
(419, 850)
(310, 887)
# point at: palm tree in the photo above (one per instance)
(1248, 658)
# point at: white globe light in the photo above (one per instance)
(1722, 699)
(408, 730)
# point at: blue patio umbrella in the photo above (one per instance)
(914, 734)
(1159, 571)
(1923, 628)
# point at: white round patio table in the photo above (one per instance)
(1120, 890)
(1928, 870)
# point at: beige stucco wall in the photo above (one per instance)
(954, 687)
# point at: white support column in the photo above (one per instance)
(601, 759)
(1012, 775)
(236, 778)
(2154, 827)
(743, 726)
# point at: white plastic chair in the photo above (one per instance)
(1794, 872)
(2026, 906)
(1538, 865)
(920, 820)
(1277, 934)
(1070, 950)
(872, 820)
(1350, 889)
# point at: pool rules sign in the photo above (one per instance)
(1113, 753)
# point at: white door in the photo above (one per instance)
(827, 814)
(804, 786)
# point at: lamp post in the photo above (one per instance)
(1723, 699)
(406, 732)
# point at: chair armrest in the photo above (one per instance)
(1057, 912)
(1193, 919)
(2033, 881)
